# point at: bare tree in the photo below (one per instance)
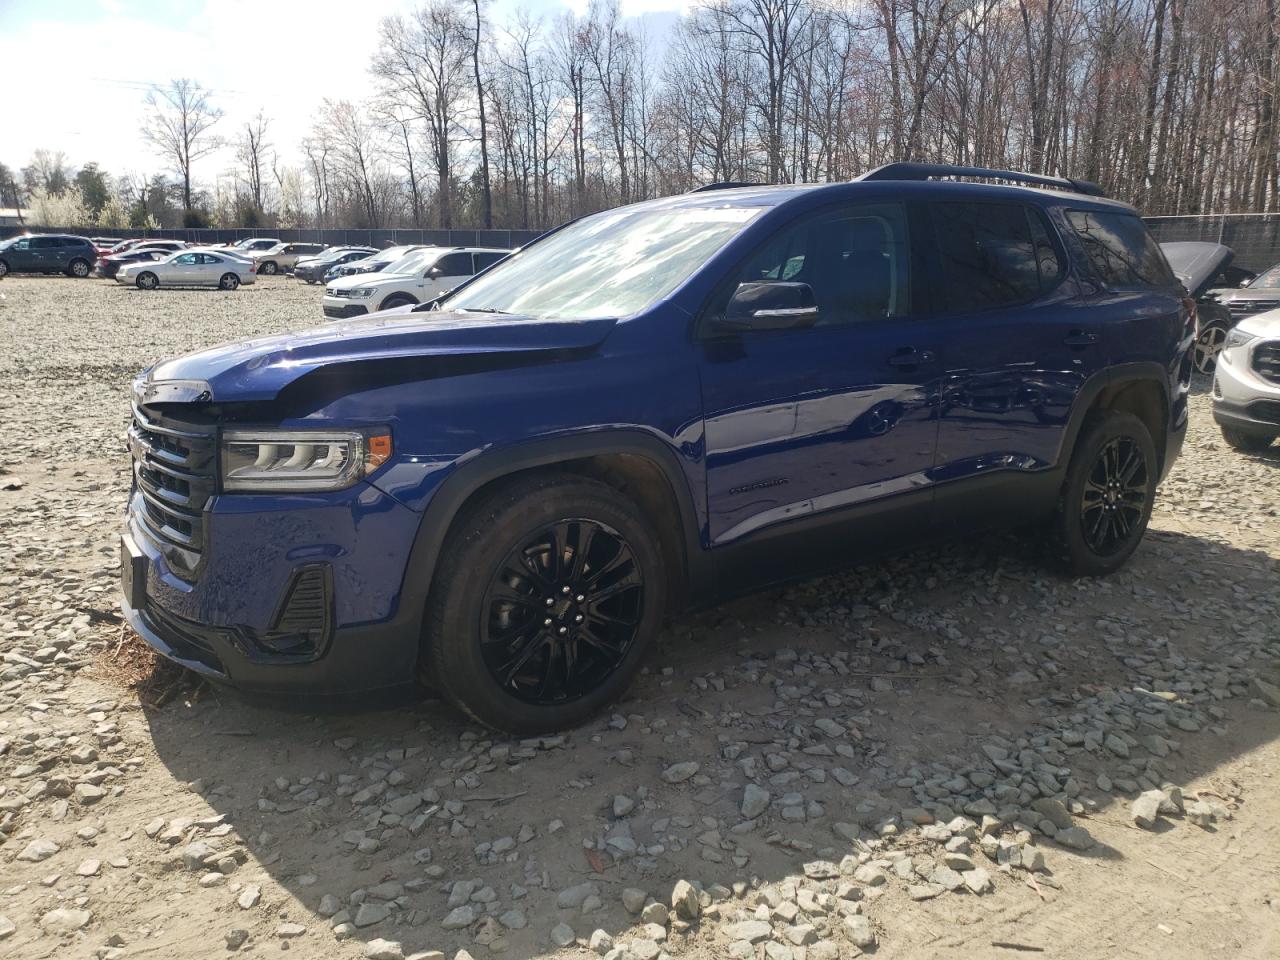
(180, 127)
(486, 202)
(251, 153)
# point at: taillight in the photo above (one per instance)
(253, 268)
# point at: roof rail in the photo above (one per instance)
(723, 185)
(925, 171)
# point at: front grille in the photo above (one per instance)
(338, 293)
(1247, 308)
(174, 467)
(1266, 360)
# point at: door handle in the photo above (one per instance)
(1080, 338)
(911, 357)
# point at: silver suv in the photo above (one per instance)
(1246, 383)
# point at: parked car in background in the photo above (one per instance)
(190, 268)
(253, 245)
(1259, 295)
(1201, 266)
(418, 277)
(47, 253)
(372, 263)
(651, 408)
(313, 269)
(143, 250)
(104, 245)
(108, 266)
(283, 256)
(1246, 383)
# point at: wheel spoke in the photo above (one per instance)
(514, 664)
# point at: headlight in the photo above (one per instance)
(1235, 338)
(363, 293)
(284, 460)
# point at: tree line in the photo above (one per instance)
(527, 122)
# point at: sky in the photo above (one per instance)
(87, 64)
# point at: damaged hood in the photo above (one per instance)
(259, 369)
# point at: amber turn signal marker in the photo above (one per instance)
(377, 451)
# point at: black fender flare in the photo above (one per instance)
(1118, 375)
(486, 467)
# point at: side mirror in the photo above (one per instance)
(769, 305)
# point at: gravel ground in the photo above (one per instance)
(951, 754)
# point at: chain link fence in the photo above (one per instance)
(1255, 237)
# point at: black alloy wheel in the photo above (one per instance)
(1115, 497)
(561, 612)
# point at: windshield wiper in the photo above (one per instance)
(506, 313)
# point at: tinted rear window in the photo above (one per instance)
(1121, 251)
(992, 255)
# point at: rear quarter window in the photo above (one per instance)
(1120, 250)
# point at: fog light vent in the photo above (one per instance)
(301, 628)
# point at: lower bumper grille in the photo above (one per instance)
(344, 311)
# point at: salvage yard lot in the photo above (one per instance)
(938, 755)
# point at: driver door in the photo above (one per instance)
(807, 428)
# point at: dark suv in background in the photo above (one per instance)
(47, 253)
(504, 492)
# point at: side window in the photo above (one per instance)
(1121, 251)
(856, 260)
(209, 258)
(454, 265)
(187, 258)
(43, 243)
(987, 255)
(1048, 260)
(486, 260)
(22, 245)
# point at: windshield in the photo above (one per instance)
(276, 249)
(613, 264)
(412, 262)
(1268, 280)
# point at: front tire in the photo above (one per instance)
(79, 268)
(396, 300)
(270, 268)
(4, 268)
(1106, 500)
(147, 281)
(549, 591)
(1247, 442)
(229, 281)
(1208, 345)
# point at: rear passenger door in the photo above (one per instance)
(1016, 344)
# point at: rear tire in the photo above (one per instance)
(147, 281)
(548, 593)
(1247, 442)
(270, 268)
(1107, 496)
(4, 268)
(229, 281)
(79, 268)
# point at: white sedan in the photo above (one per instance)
(190, 268)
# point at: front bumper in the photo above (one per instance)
(342, 311)
(1242, 399)
(220, 620)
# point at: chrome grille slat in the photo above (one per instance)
(1266, 361)
(173, 469)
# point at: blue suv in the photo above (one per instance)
(501, 494)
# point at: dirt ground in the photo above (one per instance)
(904, 724)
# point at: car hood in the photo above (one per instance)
(1261, 324)
(1196, 263)
(259, 369)
(1251, 293)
